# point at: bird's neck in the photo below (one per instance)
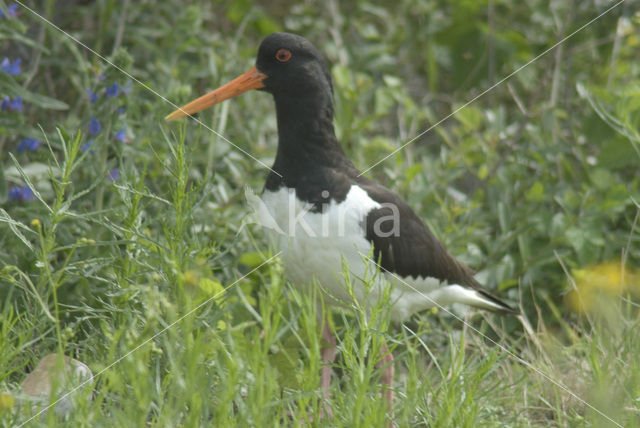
(306, 135)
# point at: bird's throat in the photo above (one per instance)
(305, 132)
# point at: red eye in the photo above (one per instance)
(283, 55)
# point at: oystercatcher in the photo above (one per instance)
(338, 230)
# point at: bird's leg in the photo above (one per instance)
(386, 364)
(328, 356)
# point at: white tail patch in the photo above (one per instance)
(458, 294)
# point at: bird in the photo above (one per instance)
(327, 218)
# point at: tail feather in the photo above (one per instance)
(474, 297)
(493, 304)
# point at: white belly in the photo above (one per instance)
(324, 248)
(314, 244)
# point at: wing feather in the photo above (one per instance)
(404, 245)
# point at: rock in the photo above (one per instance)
(38, 384)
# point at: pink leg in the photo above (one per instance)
(328, 356)
(386, 363)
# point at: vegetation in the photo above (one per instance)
(124, 243)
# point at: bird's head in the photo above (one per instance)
(287, 66)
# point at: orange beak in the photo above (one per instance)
(252, 79)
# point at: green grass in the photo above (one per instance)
(156, 281)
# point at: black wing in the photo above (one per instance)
(408, 248)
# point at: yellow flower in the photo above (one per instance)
(601, 281)
(6, 401)
(191, 278)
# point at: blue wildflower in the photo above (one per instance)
(28, 144)
(20, 193)
(11, 11)
(93, 97)
(112, 90)
(11, 68)
(121, 135)
(94, 126)
(122, 109)
(15, 105)
(86, 146)
(114, 174)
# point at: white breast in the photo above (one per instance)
(322, 248)
(314, 244)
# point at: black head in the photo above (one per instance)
(294, 72)
(293, 66)
(288, 66)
